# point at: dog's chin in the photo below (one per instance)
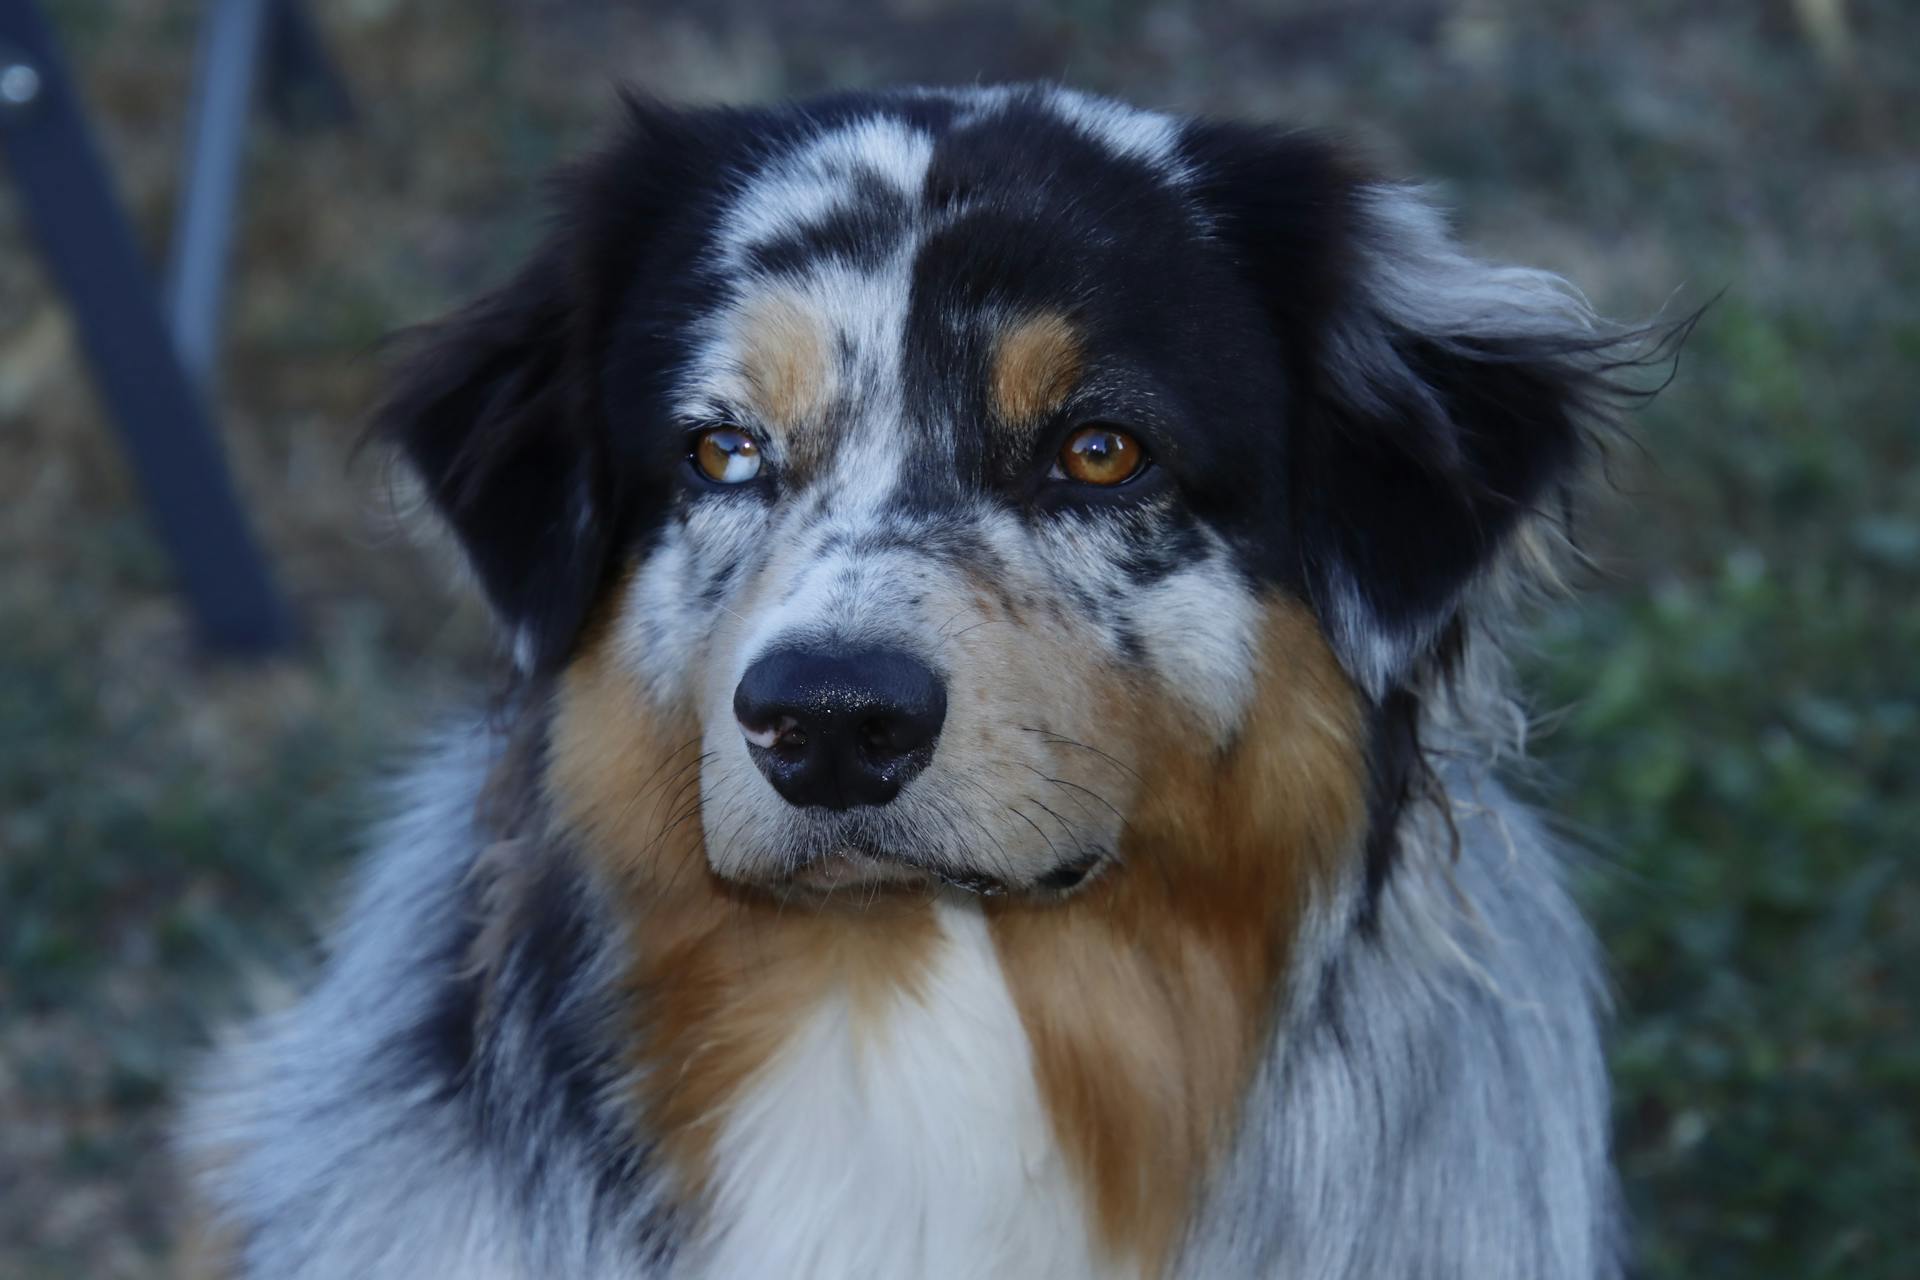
(852, 871)
(851, 868)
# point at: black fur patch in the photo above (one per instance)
(1394, 766)
(440, 1047)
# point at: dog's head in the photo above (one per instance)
(944, 464)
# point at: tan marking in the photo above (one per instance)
(720, 976)
(1147, 996)
(1035, 366)
(785, 358)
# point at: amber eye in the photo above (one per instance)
(1100, 455)
(726, 455)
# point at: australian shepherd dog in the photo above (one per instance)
(1004, 591)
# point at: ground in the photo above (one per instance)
(1729, 712)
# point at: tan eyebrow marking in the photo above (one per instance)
(784, 358)
(1035, 365)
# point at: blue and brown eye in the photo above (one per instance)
(1101, 455)
(726, 455)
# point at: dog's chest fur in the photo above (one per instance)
(907, 1140)
(1416, 1120)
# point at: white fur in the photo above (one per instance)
(1152, 137)
(1200, 629)
(663, 628)
(914, 1147)
(1372, 655)
(1147, 136)
(814, 181)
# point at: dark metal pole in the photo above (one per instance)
(91, 251)
(230, 46)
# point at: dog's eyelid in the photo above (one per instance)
(717, 417)
(1135, 410)
(1142, 430)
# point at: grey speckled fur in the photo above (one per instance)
(325, 1128)
(1434, 1103)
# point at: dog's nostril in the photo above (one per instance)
(842, 729)
(876, 736)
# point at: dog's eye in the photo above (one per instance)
(1100, 455)
(726, 455)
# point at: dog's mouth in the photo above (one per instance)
(868, 874)
(850, 867)
(854, 866)
(868, 853)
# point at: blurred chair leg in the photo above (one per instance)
(93, 257)
(230, 46)
(238, 36)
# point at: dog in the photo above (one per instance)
(1005, 594)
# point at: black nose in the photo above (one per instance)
(840, 729)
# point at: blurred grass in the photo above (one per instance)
(1734, 705)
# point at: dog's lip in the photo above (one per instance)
(984, 886)
(848, 867)
(851, 867)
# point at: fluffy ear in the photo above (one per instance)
(497, 406)
(1437, 402)
(488, 409)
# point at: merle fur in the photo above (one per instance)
(1386, 487)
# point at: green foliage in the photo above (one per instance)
(1745, 765)
(1741, 745)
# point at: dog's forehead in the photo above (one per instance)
(855, 187)
(921, 264)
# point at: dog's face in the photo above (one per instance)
(956, 457)
(942, 460)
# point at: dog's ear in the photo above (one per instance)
(497, 406)
(1436, 402)
(483, 409)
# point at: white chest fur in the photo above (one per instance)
(914, 1145)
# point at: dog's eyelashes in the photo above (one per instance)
(1099, 454)
(725, 455)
